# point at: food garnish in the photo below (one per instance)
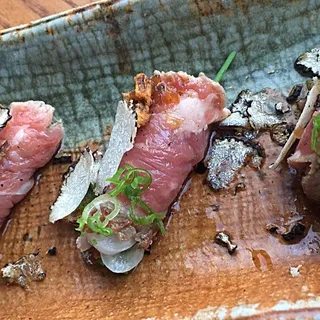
(266, 110)
(295, 271)
(93, 216)
(4, 116)
(74, 188)
(275, 228)
(52, 251)
(141, 98)
(27, 237)
(225, 66)
(227, 157)
(224, 239)
(24, 270)
(130, 182)
(289, 231)
(124, 261)
(308, 63)
(121, 140)
(88, 172)
(295, 229)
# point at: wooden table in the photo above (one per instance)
(16, 12)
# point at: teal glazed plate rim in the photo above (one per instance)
(80, 62)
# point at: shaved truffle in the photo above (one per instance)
(121, 141)
(26, 269)
(74, 188)
(308, 63)
(4, 116)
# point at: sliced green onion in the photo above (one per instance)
(132, 182)
(151, 218)
(315, 139)
(161, 227)
(94, 222)
(225, 66)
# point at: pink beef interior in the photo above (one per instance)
(31, 143)
(306, 161)
(303, 154)
(176, 137)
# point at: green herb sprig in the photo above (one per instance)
(225, 66)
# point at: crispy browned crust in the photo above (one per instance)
(141, 98)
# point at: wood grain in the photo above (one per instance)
(187, 275)
(16, 12)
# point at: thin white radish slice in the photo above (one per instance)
(123, 261)
(109, 245)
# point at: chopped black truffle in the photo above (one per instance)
(223, 239)
(308, 63)
(24, 270)
(4, 116)
(295, 229)
(52, 251)
(27, 237)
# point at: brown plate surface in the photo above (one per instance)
(186, 275)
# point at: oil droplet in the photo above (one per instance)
(261, 260)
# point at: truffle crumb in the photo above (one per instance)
(223, 239)
(24, 270)
(215, 207)
(295, 229)
(289, 233)
(27, 237)
(295, 271)
(52, 251)
(274, 228)
(239, 187)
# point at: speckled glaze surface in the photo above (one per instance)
(80, 62)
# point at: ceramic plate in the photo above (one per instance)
(80, 62)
